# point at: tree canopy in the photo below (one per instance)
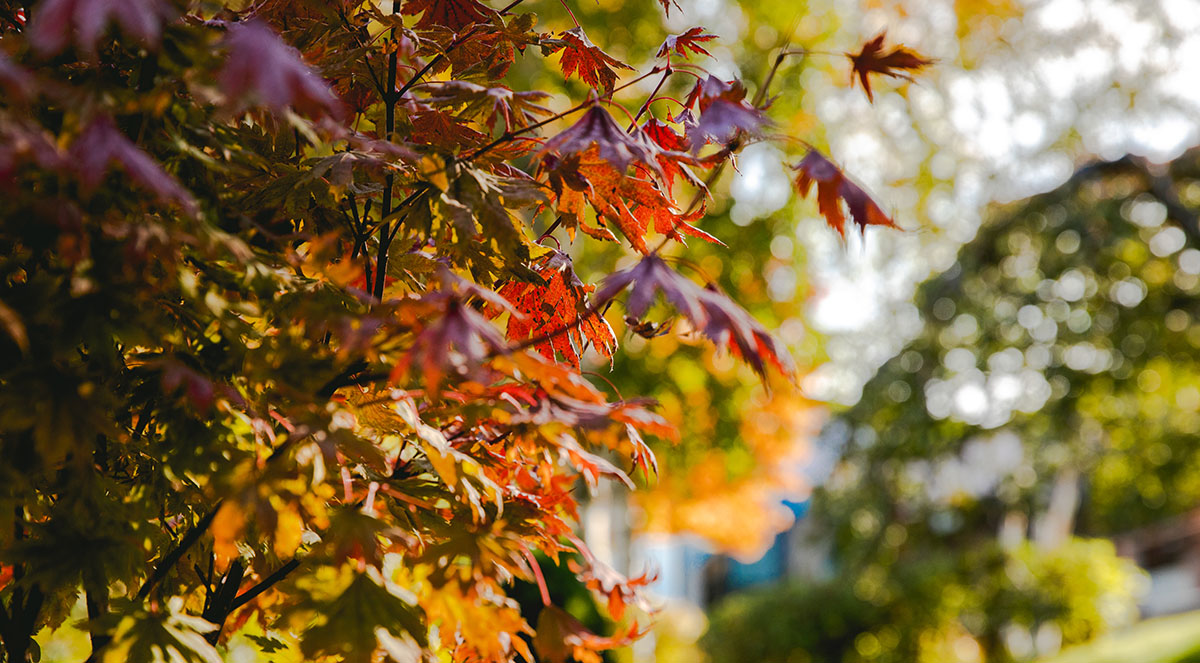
(296, 305)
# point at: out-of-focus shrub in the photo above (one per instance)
(989, 604)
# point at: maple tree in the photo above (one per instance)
(290, 350)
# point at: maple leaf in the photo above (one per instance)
(710, 311)
(442, 129)
(724, 113)
(684, 42)
(561, 638)
(706, 91)
(486, 50)
(580, 56)
(55, 22)
(723, 120)
(547, 308)
(609, 583)
(453, 337)
(630, 203)
(489, 104)
(674, 158)
(667, 222)
(597, 127)
(101, 143)
(872, 60)
(263, 70)
(832, 185)
(453, 14)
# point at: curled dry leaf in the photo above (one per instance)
(872, 60)
(833, 187)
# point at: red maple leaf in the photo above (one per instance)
(710, 311)
(56, 22)
(580, 56)
(674, 158)
(101, 144)
(832, 185)
(262, 70)
(453, 14)
(687, 41)
(872, 60)
(546, 309)
(441, 129)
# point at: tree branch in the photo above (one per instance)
(252, 593)
(172, 558)
(224, 600)
(389, 127)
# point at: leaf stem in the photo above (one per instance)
(667, 71)
(508, 136)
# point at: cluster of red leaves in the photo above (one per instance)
(587, 165)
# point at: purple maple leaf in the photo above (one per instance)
(262, 70)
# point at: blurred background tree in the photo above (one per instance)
(1053, 394)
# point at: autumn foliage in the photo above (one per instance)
(291, 334)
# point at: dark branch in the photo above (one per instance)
(252, 593)
(167, 563)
